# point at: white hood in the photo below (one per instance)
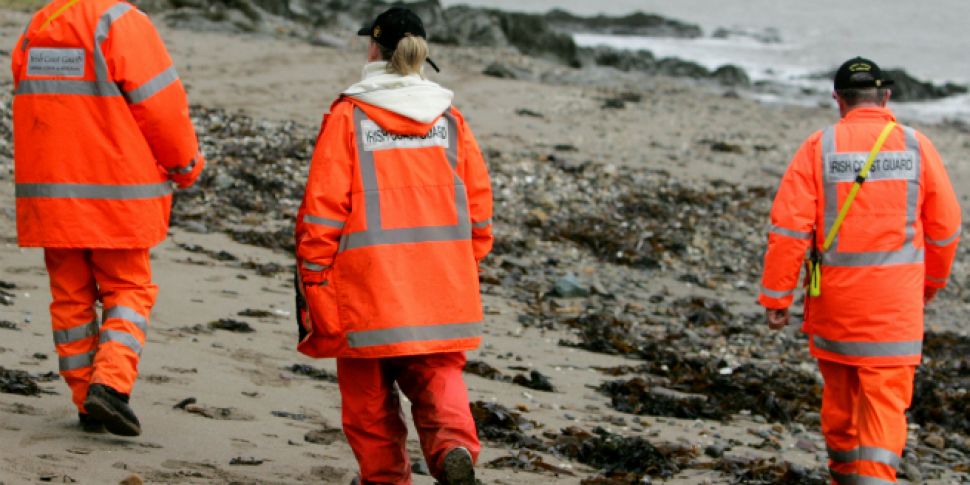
(409, 96)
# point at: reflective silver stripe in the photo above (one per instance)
(313, 267)
(125, 313)
(867, 480)
(323, 221)
(404, 236)
(67, 86)
(375, 233)
(879, 455)
(93, 191)
(944, 242)
(151, 88)
(869, 349)
(777, 294)
(74, 362)
(909, 253)
(843, 478)
(75, 334)
(390, 336)
(936, 280)
(843, 456)
(101, 34)
(184, 170)
(482, 224)
(123, 338)
(868, 453)
(790, 233)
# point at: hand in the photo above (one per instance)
(929, 293)
(777, 319)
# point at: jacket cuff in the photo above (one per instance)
(186, 176)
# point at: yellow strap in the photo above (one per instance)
(863, 174)
(57, 14)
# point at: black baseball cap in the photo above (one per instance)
(393, 25)
(860, 72)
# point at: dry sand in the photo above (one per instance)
(288, 79)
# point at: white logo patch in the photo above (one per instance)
(843, 167)
(55, 62)
(376, 138)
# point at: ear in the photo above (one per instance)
(885, 99)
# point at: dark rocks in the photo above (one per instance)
(770, 471)
(941, 394)
(325, 436)
(486, 370)
(231, 325)
(731, 75)
(908, 88)
(6, 325)
(627, 459)
(506, 71)
(636, 24)
(497, 423)
(536, 380)
(13, 381)
(313, 372)
(644, 61)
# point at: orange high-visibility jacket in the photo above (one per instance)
(101, 127)
(396, 216)
(900, 235)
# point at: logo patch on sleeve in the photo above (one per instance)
(843, 167)
(44, 61)
(376, 138)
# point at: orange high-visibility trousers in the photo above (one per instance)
(864, 420)
(373, 420)
(88, 353)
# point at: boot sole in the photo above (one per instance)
(459, 469)
(112, 420)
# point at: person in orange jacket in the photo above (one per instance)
(395, 220)
(101, 129)
(879, 264)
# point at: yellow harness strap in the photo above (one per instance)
(56, 14)
(815, 282)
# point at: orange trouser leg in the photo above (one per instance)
(73, 317)
(127, 293)
(886, 393)
(439, 404)
(864, 422)
(373, 421)
(840, 397)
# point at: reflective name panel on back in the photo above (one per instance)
(844, 167)
(43, 61)
(376, 138)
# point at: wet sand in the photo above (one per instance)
(672, 129)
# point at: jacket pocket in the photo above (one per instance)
(321, 299)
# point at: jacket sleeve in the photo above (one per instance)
(940, 216)
(327, 200)
(139, 63)
(474, 173)
(791, 231)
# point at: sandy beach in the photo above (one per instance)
(253, 419)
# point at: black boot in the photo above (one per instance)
(111, 408)
(458, 468)
(89, 424)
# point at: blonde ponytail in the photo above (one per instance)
(409, 56)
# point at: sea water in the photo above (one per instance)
(928, 39)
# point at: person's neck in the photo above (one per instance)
(845, 111)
